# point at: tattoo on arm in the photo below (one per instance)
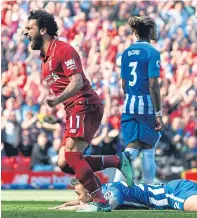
(76, 83)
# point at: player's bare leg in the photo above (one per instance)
(190, 203)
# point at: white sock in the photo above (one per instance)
(119, 177)
(148, 165)
(133, 152)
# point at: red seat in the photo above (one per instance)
(8, 163)
(22, 163)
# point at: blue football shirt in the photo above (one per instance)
(169, 196)
(140, 62)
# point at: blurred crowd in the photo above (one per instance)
(98, 30)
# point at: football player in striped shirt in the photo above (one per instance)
(178, 194)
(142, 116)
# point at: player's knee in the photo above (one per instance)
(75, 145)
(63, 165)
(135, 144)
(61, 162)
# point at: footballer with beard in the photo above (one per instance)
(62, 70)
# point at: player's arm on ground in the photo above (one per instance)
(68, 205)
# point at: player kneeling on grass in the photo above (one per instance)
(178, 194)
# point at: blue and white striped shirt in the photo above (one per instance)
(149, 196)
(140, 62)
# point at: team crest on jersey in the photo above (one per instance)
(51, 78)
(108, 194)
(55, 76)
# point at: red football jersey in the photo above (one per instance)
(61, 62)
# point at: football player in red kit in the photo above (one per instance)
(62, 70)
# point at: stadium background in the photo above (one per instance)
(31, 132)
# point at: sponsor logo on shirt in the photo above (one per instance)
(73, 131)
(70, 64)
(133, 52)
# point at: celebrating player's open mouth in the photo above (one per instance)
(35, 42)
(33, 35)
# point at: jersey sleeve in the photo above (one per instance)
(122, 74)
(70, 61)
(114, 196)
(154, 65)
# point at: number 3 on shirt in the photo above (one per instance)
(133, 73)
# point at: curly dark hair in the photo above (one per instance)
(144, 26)
(44, 20)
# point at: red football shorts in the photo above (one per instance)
(83, 122)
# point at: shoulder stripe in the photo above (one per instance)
(175, 198)
(124, 183)
(140, 186)
(156, 191)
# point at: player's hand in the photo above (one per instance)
(52, 101)
(58, 207)
(159, 123)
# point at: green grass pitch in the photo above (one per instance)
(35, 204)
